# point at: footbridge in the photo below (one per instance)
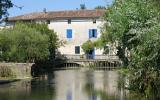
(96, 62)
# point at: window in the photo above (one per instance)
(92, 33)
(69, 21)
(94, 21)
(69, 33)
(77, 49)
(48, 21)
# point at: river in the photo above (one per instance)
(68, 85)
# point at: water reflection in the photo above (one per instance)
(68, 85)
(89, 85)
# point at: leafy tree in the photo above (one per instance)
(100, 7)
(82, 6)
(28, 42)
(133, 25)
(88, 46)
(126, 23)
(53, 41)
(4, 5)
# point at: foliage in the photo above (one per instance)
(27, 42)
(145, 65)
(53, 45)
(53, 40)
(4, 5)
(134, 19)
(100, 7)
(87, 46)
(134, 26)
(83, 6)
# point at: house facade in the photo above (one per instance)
(76, 32)
(74, 27)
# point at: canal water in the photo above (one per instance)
(68, 85)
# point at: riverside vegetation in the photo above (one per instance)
(133, 26)
(27, 43)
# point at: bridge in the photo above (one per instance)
(96, 62)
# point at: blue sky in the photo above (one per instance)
(53, 5)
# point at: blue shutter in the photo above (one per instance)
(94, 97)
(95, 33)
(69, 33)
(69, 95)
(90, 33)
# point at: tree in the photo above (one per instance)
(53, 40)
(100, 7)
(88, 46)
(126, 23)
(134, 26)
(4, 5)
(82, 6)
(28, 42)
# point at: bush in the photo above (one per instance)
(88, 46)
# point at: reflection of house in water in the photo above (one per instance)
(66, 85)
(69, 86)
(76, 85)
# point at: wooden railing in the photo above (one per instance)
(96, 57)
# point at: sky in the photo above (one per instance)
(30, 6)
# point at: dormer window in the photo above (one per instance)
(69, 21)
(94, 21)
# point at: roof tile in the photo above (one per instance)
(59, 15)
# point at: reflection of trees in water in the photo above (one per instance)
(94, 94)
(113, 86)
(123, 90)
(37, 89)
(42, 88)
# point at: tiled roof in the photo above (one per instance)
(59, 15)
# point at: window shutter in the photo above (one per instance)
(69, 33)
(90, 33)
(95, 33)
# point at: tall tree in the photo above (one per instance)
(100, 7)
(127, 21)
(134, 25)
(28, 42)
(4, 5)
(82, 6)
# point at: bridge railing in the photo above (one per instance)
(96, 57)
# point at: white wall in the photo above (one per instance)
(80, 33)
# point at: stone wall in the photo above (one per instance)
(20, 70)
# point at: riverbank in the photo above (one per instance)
(10, 80)
(5, 81)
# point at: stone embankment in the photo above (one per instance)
(10, 72)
